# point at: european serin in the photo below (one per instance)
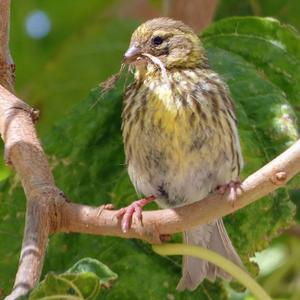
(180, 134)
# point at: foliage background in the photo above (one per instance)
(84, 46)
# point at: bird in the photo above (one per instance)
(180, 136)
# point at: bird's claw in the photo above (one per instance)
(126, 213)
(233, 188)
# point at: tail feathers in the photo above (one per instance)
(212, 236)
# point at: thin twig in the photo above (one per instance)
(294, 231)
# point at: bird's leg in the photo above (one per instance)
(135, 207)
(232, 187)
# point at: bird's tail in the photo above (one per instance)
(212, 236)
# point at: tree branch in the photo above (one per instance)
(7, 68)
(196, 13)
(24, 152)
(86, 219)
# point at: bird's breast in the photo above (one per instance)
(163, 136)
(175, 148)
(162, 121)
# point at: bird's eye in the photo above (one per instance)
(157, 40)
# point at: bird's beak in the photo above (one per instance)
(131, 54)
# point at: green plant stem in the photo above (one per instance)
(218, 260)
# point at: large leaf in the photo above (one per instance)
(86, 153)
(105, 274)
(286, 11)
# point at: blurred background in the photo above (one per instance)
(62, 49)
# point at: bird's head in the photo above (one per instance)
(171, 42)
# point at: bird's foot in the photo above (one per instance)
(233, 188)
(126, 213)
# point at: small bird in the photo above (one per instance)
(180, 135)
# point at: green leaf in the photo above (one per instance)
(254, 57)
(265, 59)
(68, 286)
(81, 281)
(287, 11)
(104, 273)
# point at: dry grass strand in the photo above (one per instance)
(108, 84)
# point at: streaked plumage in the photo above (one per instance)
(179, 132)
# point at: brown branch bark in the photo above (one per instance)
(7, 68)
(24, 152)
(196, 13)
(48, 212)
